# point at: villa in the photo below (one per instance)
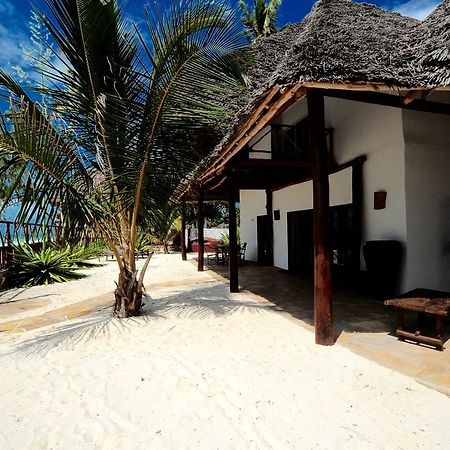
(339, 153)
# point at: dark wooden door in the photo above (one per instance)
(264, 251)
(300, 242)
(341, 240)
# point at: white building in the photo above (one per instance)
(341, 142)
(407, 157)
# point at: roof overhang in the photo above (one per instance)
(257, 174)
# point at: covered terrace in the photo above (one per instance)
(343, 50)
(361, 322)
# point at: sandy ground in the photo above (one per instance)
(201, 369)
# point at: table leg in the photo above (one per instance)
(400, 322)
(438, 328)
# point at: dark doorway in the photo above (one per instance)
(341, 241)
(300, 242)
(264, 243)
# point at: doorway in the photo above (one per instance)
(301, 241)
(264, 243)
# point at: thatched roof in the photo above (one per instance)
(343, 42)
(432, 47)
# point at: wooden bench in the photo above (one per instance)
(422, 301)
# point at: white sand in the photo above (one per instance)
(98, 281)
(205, 370)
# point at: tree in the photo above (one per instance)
(261, 19)
(164, 222)
(122, 121)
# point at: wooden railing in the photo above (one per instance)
(288, 142)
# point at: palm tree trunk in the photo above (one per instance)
(128, 294)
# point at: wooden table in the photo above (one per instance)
(422, 301)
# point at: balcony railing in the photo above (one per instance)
(288, 142)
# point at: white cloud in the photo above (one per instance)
(6, 8)
(12, 35)
(418, 9)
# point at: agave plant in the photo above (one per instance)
(143, 240)
(80, 254)
(32, 267)
(225, 237)
(125, 117)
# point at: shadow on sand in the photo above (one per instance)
(195, 304)
(353, 313)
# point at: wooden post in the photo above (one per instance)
(183, 231)
(323, 301)
(357, 200)
(233, 245)
(269, 237)
(201, 236)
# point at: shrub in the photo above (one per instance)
(225, 237)
(50, 264)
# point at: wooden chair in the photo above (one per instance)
(241, 254)
(242, 250)
(219, 256)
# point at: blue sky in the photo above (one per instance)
(15, 15)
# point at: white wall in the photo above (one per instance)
(377, 132)
(359, 129)
(427, 151)
(261, 144)
(408, 156)
(294, 114)
(300, 197)
(252, 204)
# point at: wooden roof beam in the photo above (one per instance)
(254, 126)
(394, 101)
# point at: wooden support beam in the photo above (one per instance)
(394, 101)
(183, 232)
(323, 301)
(8, 240)
(269, 237)
(254, 163)
(233, 244)
(201, 236)
(357, 201)
(254, 125)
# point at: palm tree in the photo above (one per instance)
(260, 20)
(164, 221)
(126, 111)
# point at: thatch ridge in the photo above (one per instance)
(431, 46)
(343, 41)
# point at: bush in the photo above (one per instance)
(32, 267)
(225, 237)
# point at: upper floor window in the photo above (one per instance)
(291, 142)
